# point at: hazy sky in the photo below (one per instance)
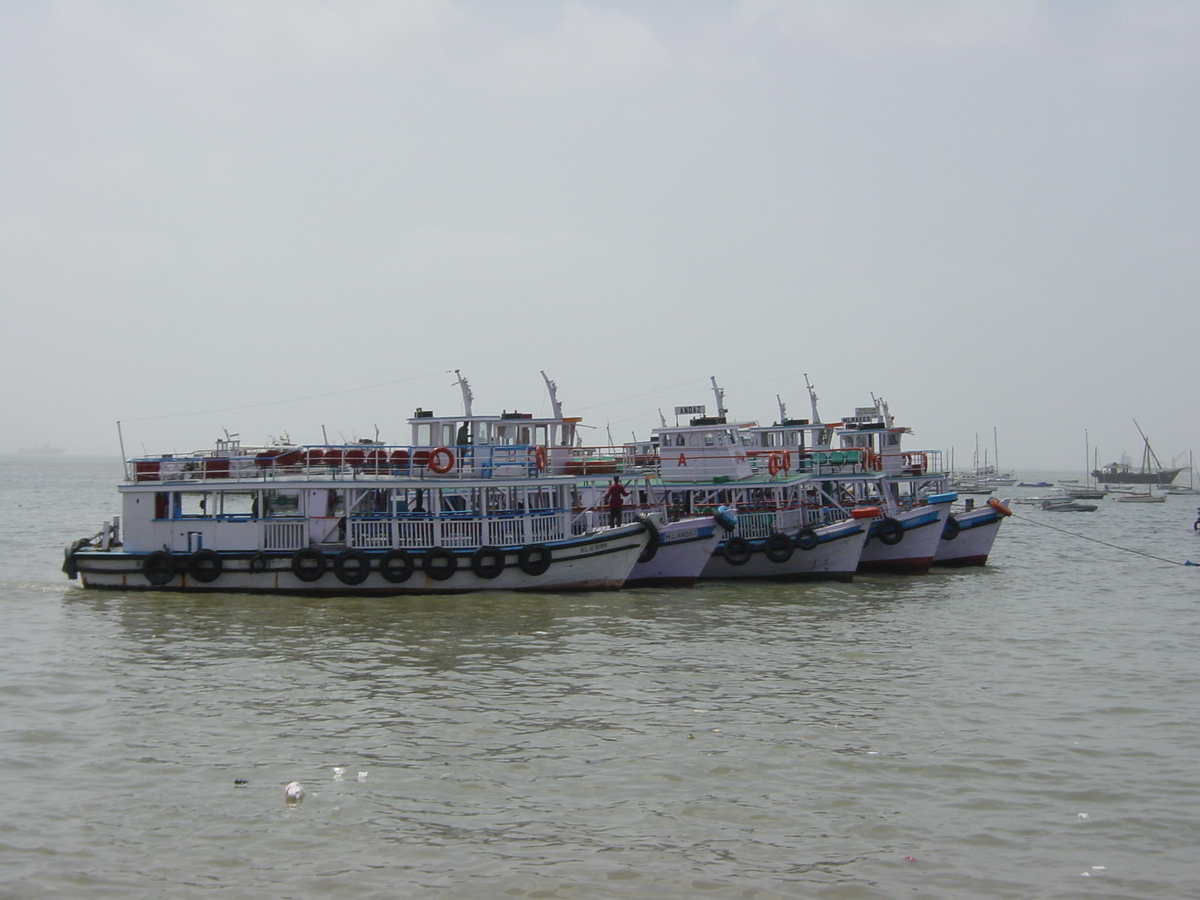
(276, 216)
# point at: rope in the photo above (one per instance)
(1186, 562)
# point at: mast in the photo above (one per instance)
(552, 388)
(720, 395)
(466, 394)
(812, 400)
(782, 409)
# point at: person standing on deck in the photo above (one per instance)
(615, 498)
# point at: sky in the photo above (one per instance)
(298, 218)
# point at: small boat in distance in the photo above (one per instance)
(1123, 472)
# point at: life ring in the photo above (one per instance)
(487, 562)
(439, 563)
(806, 539)
(651, 549)
(539, 457)
(774, 466)
(778, 548)
(999, 507)
(951, 529)
(726, 518)
(258, 562)
(204, 566)
(736, 551)
(309, 564)
(159, 567)
(534, 559)
(352, 566)
(440, 468)
(889, 531)
(396, 566)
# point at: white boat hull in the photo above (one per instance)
(834, 558)
(913, 553)
(601, 561)
(683, 550)
(971, 544)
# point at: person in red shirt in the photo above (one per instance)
(615, 498)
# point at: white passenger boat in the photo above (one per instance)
(710, 462)
(914, 486)
(355, 519)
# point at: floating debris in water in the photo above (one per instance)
(362, 776)
(240, 781)
(1083, 817)
(339, 772)
(294, 792)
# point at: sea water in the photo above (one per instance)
(1027, 729)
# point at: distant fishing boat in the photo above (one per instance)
(1123, 472)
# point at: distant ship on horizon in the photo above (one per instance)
(44, 450)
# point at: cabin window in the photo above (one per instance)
(694, 440)
(193, 505)
(280, 503)
(893, 440)
(238, 503)
(709, 439)
(162, 505)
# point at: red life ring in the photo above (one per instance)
(999, 507)
(439, 467)
(539, 457)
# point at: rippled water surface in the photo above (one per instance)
(1024, 730)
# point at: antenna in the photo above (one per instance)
(555, 405)
(466, 394)
(782, 409)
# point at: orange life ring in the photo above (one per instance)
(441, 468)
(539, 457)
(999, 507)
(774, 466)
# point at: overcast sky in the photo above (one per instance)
(276, 216)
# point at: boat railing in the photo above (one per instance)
(458, 532)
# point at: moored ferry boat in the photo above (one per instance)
(353, 519)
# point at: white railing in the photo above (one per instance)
(458, 532)
(284, 535)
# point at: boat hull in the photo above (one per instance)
(683, 550)
(1160, 476)
(601, 561)
(971, 544)
(834, 558)
(913, 553)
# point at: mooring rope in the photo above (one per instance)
(1174, 562)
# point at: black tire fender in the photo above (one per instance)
(204, 566)
(160, 567)
(309, 565)
(487, 562)
(397, 566)
(352, 566)
(951, 529)
(889, 531)
(534, 559)
(439, 563)
(736, 551)
(779, 548)
(806, 539)
(651, 549)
